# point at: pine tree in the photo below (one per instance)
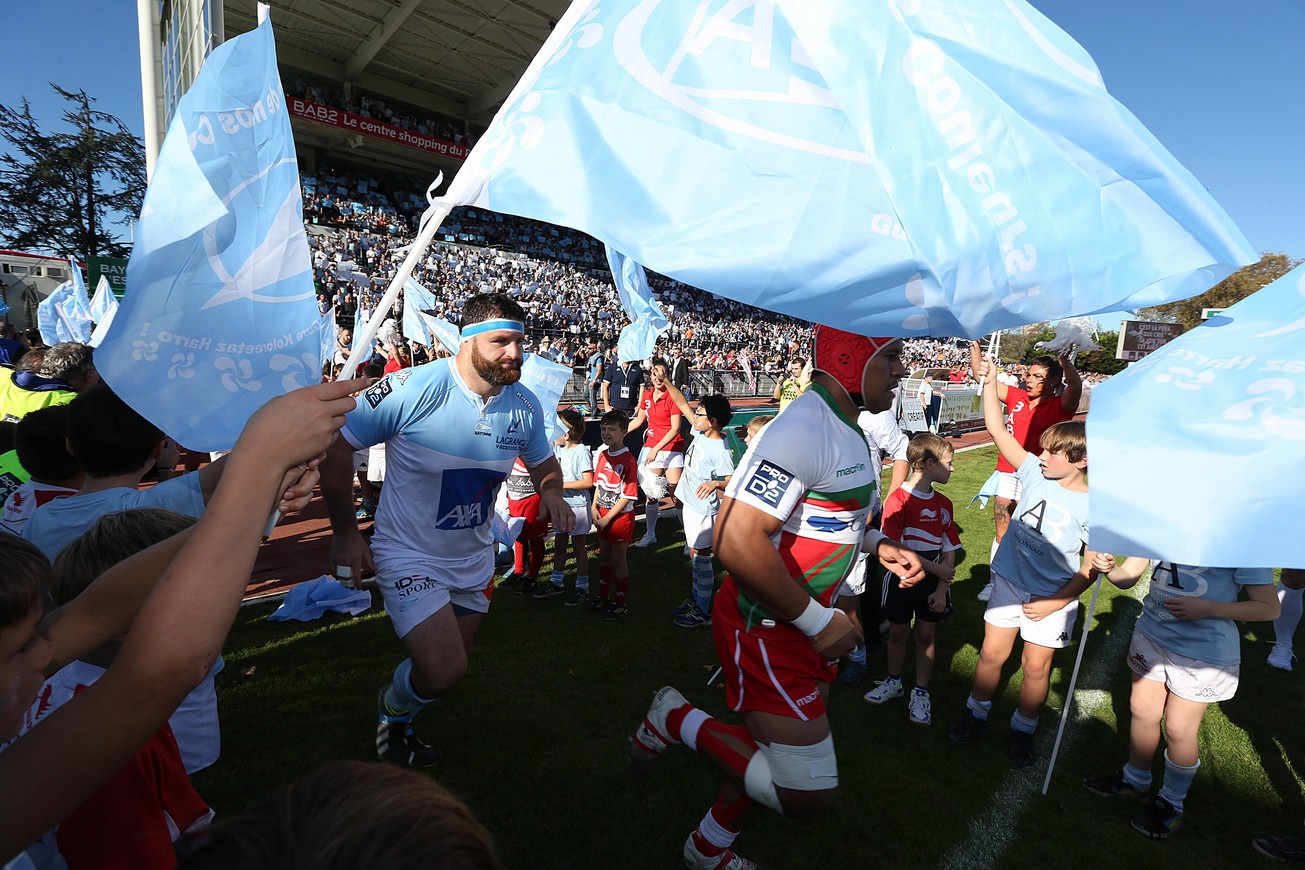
(60, 189)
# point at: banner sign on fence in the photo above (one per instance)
(333, 117)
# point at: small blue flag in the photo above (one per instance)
(416, 298)
(546, 379)
(327, 338)
(104, 303)
(65, 315)
(895, 168)
(639, 336)
(441, 330)
(1223, 402)
(360, 318)
(219, 314)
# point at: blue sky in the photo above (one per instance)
(1220, 84)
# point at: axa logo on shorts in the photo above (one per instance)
(768, 483)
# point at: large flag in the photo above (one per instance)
(416, 298)
(639, 336)
(896, 168)
(439, 329)
(219, 314)
(546, 379)
(1197, 452)
(104, 306)
(65, 315)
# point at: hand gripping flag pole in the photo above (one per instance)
(1073, 680)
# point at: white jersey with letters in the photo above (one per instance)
(447, 451)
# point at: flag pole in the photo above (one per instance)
(1073, 680)
(431, 220)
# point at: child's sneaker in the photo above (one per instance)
(615, 610)
(969, 729)
(695, 860)
(598, 603)
(546, 589)
(1159, 819)
(685, 606)
(1022, 752)
(646, 541)
(1290, 849)
(920, 707)
(695, 618)
(884, 690)
(1115, 785)
(851, 673)
(576, 597)
(526, 586)
(1281, 655)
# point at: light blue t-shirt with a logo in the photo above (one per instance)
(1040, 551)
(446, 453)
(575, 461)
(1214, 639)
(707, 459)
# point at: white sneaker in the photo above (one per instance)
(695, 860)
(1281, 656)
(884, 690)
(985, 593)
(652, 737)
(646, 541)
(921, 708)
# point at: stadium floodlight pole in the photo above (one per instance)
(431, 220)
(1073, 680)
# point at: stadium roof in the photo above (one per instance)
(460, 58)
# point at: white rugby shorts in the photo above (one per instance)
(1188, 678)
(697, 527)
(415, 591)
(1006, 610)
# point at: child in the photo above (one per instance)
(616, 486)
(40, 442)
(921, 518)
(578, 482)
(1185, 655)
(707, 469)
(755, 425)
(193, 582)
(1037, 575)
(528, 549)
(147, 809)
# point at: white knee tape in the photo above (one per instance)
(801, 768)
(758, 783)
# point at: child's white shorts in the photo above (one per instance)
(1008, 486)
(854, 582)
(1006, 610)
(1188, 678)
(376, 463)
(665, 458)
(583, 522)
(697, 527)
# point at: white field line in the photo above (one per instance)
(989, 834)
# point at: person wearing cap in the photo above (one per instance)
(453, 429)
(791, 522)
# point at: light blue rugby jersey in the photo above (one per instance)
(575, 461)
(1212, 640)
(446, 453)
(1040, 551)
(707, 459)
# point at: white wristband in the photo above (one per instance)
(813, 619)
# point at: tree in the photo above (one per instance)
(60, 188)
(1101, 362)
(1233, 289)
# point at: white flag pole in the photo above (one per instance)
(1073, 680)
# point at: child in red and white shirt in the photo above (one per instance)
(616, 488)
(922, 519)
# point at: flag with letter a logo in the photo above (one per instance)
(903, 167)
(219, 313)
(1222, 404)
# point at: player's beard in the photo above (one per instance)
(499, 374)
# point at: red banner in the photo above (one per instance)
(301, 108)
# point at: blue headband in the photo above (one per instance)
(490, 325)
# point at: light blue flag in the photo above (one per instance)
(64, 315)
(639, 337)
(360, 318)
(327, 339)
(416, 298)
(546, 379)
(953, 169)
(1223, 403)
(448, 335)
(104, 303)
(219, 314)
